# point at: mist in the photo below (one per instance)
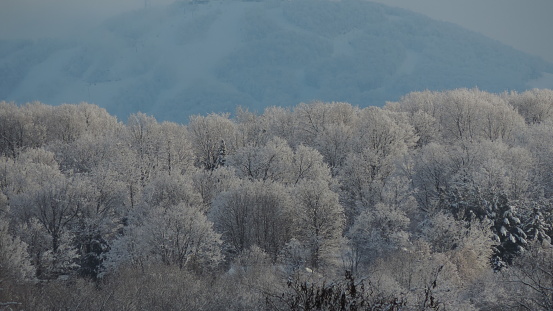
(524, 25)
(33, 19)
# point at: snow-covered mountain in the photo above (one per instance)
(210, 56)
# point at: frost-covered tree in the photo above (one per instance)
(431, 174)
(318, 222)
(537, 222)
(425, 128)
(508, 230)
(445, 233)
(500, 120)
(537, 139)
(386, 133)
(33, 169)
(177, 153)
(425, 114)
(504, 218)
(377, 231)
(86, 153)
(142, 135)
(178, 235)
(327, 127)
(52, 212)
(65, 123)
(251, 128)
(334, 144)
(281, 122)
(381, 139)
(534, 105)
(26, 126)
(461, 114)
(97, 121)
(313, 120)
(13, 129)
(182, 235)
(362, 178)
(294, 256)
(100, 219)
(529, 280)
(206, 134)
(276, 161)
(470, 201)
(269, 162)
(495, 167)
(255, 213)
(307, 164)
(420, 195)
(211, 183)
(167, 190)
(15, 262)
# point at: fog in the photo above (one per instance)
(525, 25)
(32, 19)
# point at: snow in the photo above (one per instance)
(196, 58)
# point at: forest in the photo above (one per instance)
(439, 201)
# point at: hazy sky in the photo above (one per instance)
(55, 18)
(524, 24)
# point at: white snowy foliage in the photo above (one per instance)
(255, 213)
(269, 162)
(210, 183)
(167, 190)
(14, 257)
(534, 105)
(178, 235)
(422, 197)
(181, 235)
(277, 161)
(318, 222)
(206, 134)
(379, 230)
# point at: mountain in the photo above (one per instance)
(210, 56)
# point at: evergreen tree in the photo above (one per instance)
(538, 222)
(507, 227)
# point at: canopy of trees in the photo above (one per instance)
(442, 200)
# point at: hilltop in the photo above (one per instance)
(203, 56)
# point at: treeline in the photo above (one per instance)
(442, 200)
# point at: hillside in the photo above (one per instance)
(205, 56)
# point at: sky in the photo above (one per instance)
(523, 24)
(58, 18)
(526, 25)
